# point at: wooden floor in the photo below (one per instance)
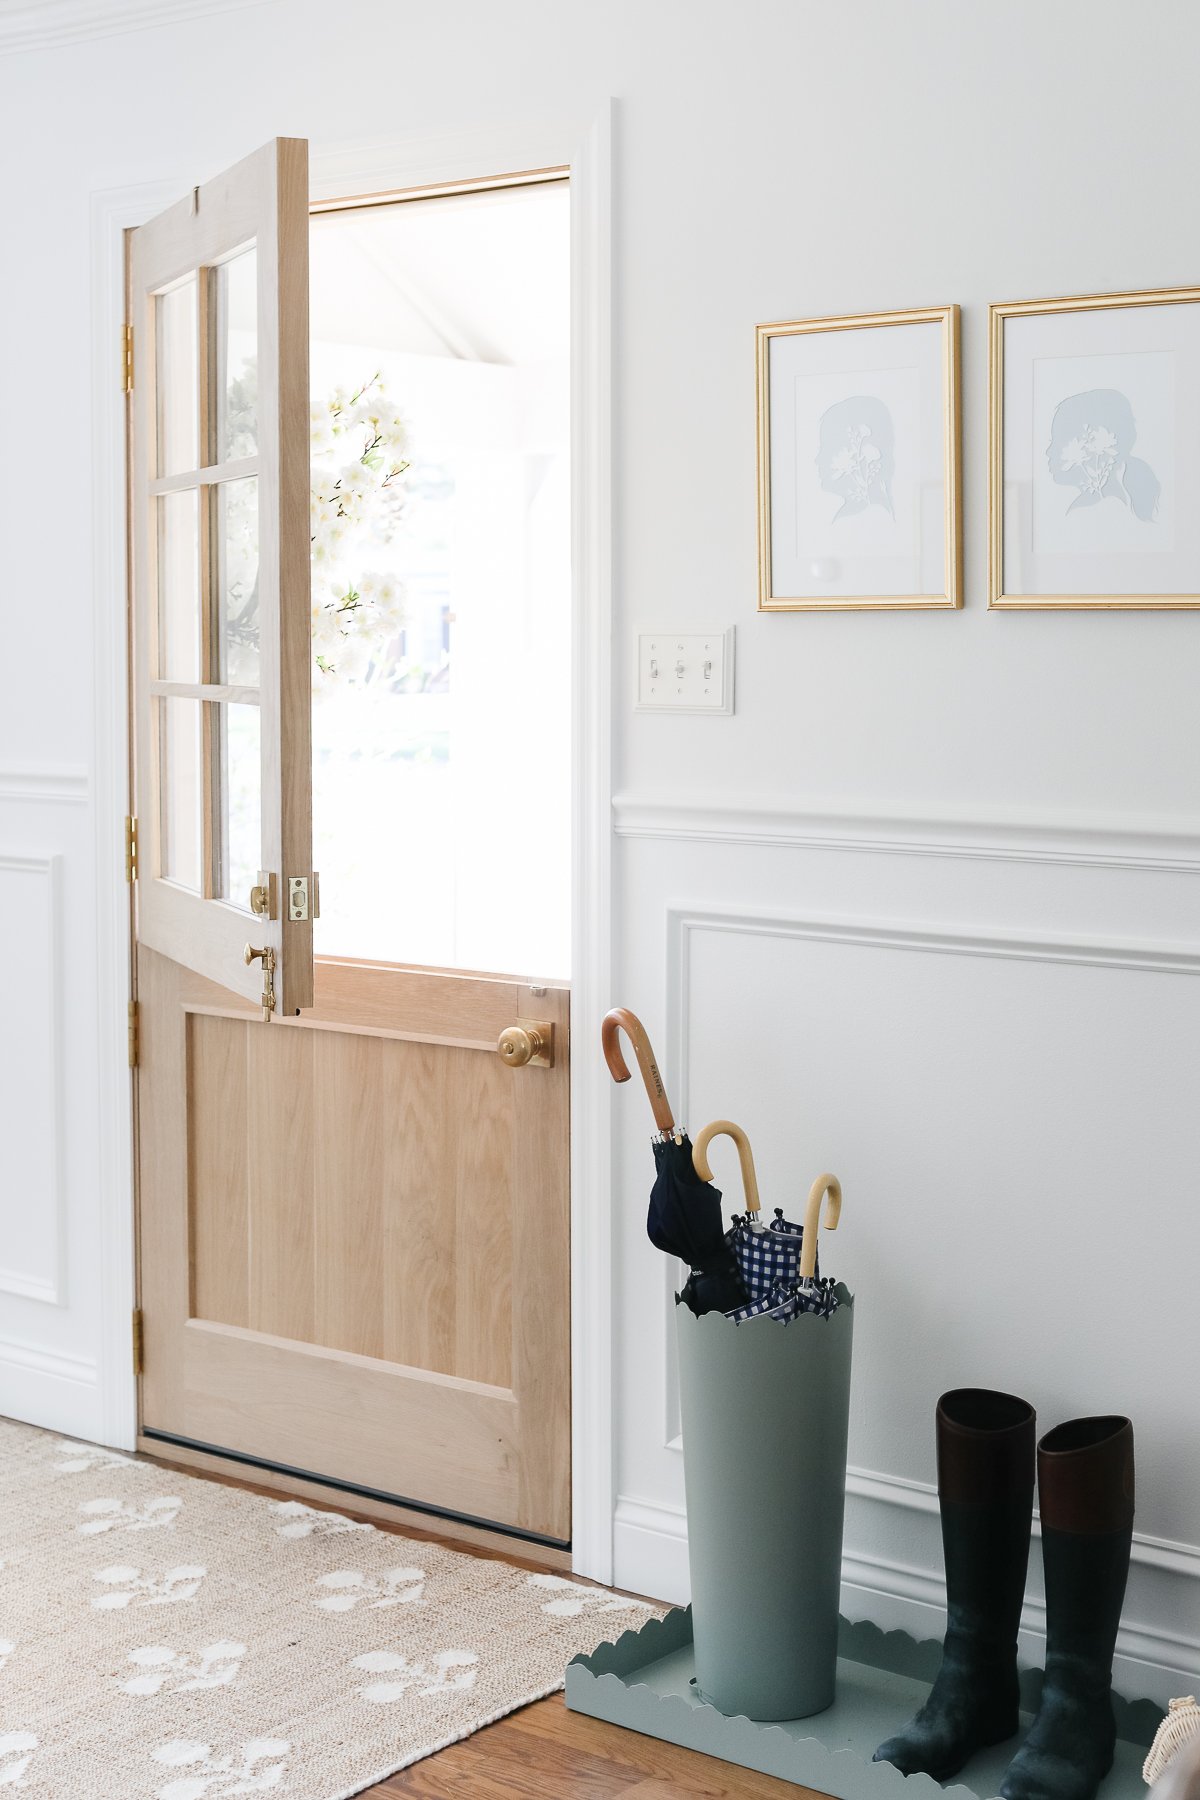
(545, 1751)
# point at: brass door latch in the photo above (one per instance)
(267, 957)
(528, 1041)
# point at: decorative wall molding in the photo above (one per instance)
(44, 782)
(593, 1478)
(1092, 952)
(56, 1389)
(48, 23)
(28, 1287)
(49, 1289)
(60, 1365)
(885, 1510)
(652, 1559)
(683, 923)
(919, 1496)
(1114, 843)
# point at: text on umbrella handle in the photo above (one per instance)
(619, 1020)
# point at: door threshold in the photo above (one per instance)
(394, 1509)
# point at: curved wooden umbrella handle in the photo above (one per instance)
(619, 1020)
(824, 1184)
(727, 1128)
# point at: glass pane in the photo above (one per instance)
(237, 357)
(182, 792)
(241, 802)
(237, 581)
(179, 586)
(177, 382)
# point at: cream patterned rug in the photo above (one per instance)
(168, 1638)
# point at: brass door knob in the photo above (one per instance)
(528, 1041)
(251, 955)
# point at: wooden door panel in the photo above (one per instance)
(218, 1169)
(355, 1254)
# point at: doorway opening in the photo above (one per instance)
(440, 381)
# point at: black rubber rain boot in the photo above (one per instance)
(985, 1455)
(1085, 1488)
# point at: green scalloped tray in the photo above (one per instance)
(644, 1682)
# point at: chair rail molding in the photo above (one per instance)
(583, 145)
(49, 783)
(1118, 842)
(44, 24)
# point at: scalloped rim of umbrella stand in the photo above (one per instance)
(642, 1681)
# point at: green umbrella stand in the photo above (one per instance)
(765, 1408)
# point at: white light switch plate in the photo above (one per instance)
(680, 671)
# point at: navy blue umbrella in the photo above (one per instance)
(684, 1217)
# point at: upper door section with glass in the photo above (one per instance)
(221, 550)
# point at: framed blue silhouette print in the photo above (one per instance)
(1094, 464)
(859, 490)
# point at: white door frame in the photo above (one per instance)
(365, 168)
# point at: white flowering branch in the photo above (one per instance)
(358, 466)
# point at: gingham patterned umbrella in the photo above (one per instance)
(781, 1281)
(767, 1255)
(787, 1300)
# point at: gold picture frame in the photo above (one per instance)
(999, 596)
(947, 318)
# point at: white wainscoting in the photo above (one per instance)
(1013, 1118)
(32, 1152)
(54, 1388)
(48, 1366)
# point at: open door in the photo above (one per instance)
(221, 579)
(353, 1225)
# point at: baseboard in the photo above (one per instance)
(1152, 1661)
(50, 1388)
(650, 1551)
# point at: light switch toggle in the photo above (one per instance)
(685, 672)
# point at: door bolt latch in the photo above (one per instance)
(267, 956)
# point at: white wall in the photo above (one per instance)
(1001, 1057)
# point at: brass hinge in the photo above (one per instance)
(139, 1342)
(134, 1036)
(131, 849)
(127, 359)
